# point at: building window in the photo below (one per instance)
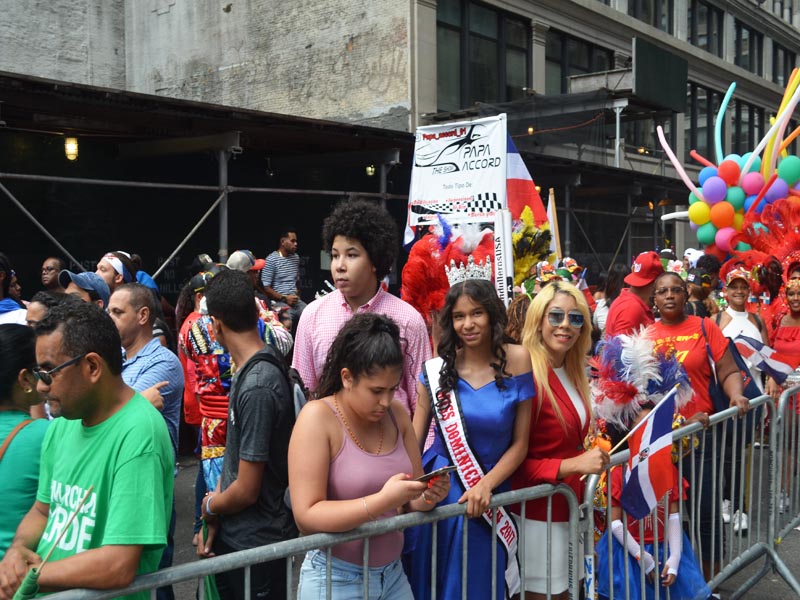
(783, 62)
(566, 55)
(748, 127)
(657, 13)
(482, 55)
(749, 48)
(783, 9)
(702, 105)
(705, 26)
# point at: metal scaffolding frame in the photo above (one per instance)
(223, 189)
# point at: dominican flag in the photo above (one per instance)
(520, 189)
(762, 357)
(650, 465)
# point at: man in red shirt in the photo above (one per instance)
(632, 309)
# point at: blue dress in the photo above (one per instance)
(489, 414)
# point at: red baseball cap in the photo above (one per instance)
(644, 270)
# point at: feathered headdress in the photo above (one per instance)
(630, 375)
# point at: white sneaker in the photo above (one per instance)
(726, 511)
(740, 521)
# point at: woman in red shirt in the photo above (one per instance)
(682, 335)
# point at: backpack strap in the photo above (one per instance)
(11, 435)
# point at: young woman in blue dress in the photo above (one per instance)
(481, 389)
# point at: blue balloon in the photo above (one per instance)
(735, 158)
(748, 202)
(705, 173)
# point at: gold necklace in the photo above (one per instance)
(350, 431)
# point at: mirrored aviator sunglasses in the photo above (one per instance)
(556, 317)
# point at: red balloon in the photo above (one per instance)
(718, 252)
(729, 172)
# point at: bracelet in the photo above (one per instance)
(366, 510)
(208, 507)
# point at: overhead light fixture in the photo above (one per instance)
(530, 130)
(538, 188)
(642, 150)
(71, 148)
(370, 170)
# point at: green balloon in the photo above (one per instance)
(736, 197)
(743, 247)
(789, 170)
(756, 166)
(706, 233)
(693, 198)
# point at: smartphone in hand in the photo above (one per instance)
(436, 473)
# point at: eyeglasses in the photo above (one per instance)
(556, 317)
(46, 377)
(48, 269)
(676, 290)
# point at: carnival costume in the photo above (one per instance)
(632, 377)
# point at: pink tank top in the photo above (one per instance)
(354, 473)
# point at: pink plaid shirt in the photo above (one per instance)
(322, 320)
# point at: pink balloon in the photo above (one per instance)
(752, 183)
(723, 238)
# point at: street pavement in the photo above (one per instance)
(771, 587)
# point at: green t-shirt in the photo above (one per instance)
(128, 458)
(19, 470)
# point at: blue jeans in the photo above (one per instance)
(347, 580)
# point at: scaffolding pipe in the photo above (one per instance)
(40, 226)
(223, 157)
(189, 235)
(206, 188)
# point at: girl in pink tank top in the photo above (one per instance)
(352, 459)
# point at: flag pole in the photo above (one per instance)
(672, 392)
(552, 217)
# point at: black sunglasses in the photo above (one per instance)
(556, 317)
(46, 377)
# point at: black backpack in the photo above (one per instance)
(300, 393)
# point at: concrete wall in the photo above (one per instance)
(331, 59)
(81, 41)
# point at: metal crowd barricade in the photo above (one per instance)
(737, 459)
(284, 550)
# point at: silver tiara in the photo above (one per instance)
(471, 271)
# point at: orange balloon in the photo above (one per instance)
(722, 214)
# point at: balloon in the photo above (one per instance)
(715, 251)
(693, 226)
(789, 169)
(706, 233)
(723, 238)
(738, 220)
(721, 215)
(693, 198)
(699, 213)
(705, 173)
(734, 157)
(736, 197)
(752, 183)
(714, 190)
(743, 162)
(778, 190)
(761, 228)
(743, 247)
(729, 171)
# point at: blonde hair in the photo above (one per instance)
(575, 361)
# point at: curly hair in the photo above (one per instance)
(366, 343)
(371, 225)
(482, 293)
(516, 317)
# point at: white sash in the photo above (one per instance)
(447, 412)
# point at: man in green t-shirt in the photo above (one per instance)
(111, 440)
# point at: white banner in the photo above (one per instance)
(459, 171)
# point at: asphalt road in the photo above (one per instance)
(771, 587)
